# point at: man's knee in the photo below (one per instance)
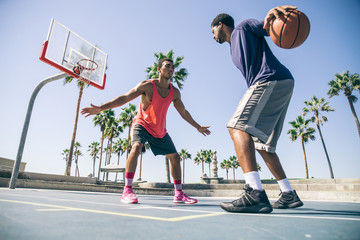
(237, 134)
(136, 148)
(174, 157)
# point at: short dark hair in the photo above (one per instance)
(224, 19)
(160, 63)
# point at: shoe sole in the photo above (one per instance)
(259, 208)
(291, 205)
(129, 202)
(185, 202)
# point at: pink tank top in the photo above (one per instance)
(153, 119)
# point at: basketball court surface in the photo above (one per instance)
(56, 214)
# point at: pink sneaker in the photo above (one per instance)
(183, 198)
(128, 196)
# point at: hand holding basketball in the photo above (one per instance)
(91, 110)
(287, 26)
(274, 13)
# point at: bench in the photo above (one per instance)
(113, 168)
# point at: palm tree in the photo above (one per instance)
(101, 120)
(127, 144)
(126, 118)
(208, 159)
(112, 130)
(179, 77)
(81, 86)
(119, 149)
(94, 151)
(226, 164)
(301, 129)
(317, 106)
(184, 155)
(143, 150)
(200, 157)
(77, 153)
(65, 153)
(234, 164)
(348, 83)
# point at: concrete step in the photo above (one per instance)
(309, 186)
(49, 177)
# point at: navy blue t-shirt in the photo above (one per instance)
(252, 56)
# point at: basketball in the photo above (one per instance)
(290, 31)
(77, 69)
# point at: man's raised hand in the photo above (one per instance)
(90, 110)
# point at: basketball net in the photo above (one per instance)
(84, 69)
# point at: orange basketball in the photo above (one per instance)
(290, 31)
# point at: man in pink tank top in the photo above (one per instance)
(149, 125)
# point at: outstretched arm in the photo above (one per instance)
(179, 105)
(274, 13)
(116, 102)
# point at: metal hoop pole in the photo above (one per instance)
(15, 171)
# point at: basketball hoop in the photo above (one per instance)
(85, 67)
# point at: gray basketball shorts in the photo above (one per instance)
(261, 112)
(159, 146)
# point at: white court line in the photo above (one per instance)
(129, 206)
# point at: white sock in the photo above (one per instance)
(253, 179)
(285, 185)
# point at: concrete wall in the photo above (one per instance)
(8, 164)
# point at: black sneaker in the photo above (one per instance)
(288, 200)
(251, 201)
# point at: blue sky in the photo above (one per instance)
(130, 32)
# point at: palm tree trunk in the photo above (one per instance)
(128, 149)
(77, 169)
(354, 115)
(227, 174)
(106, 159)
(202, 167)
(327, 156)
(140, 168)
(68, 161)
(118, 163)
(107, 174)
(77, 174)
(234, 173)
(167, 170)
(306, 166)
(183, 178)
(101, 151)
(94, 166)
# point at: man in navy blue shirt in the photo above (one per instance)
(259, 117)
